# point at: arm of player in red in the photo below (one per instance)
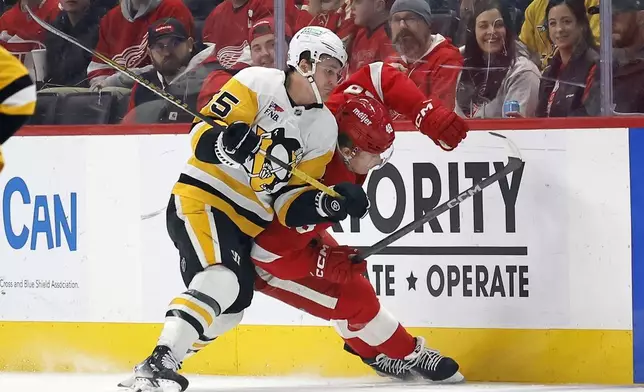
(399, 93)
(288, 254)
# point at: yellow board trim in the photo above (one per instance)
(510, 355)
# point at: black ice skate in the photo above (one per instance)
(397, 369)
(158, 373)
(422, 363)
(430, 365)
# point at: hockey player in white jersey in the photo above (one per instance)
(229, 192)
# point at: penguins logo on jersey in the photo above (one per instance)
(264, 176)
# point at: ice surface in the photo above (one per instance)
(65, 382)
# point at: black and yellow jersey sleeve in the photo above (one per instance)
(17, 97)
(234, 102)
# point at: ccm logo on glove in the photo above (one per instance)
(442, 125)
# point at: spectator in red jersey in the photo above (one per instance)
(67, 63)
(177, 69)
(335, 15)
(123, 38)
(430, 60)
(228, 25)
(16, 26)
(494, 72)
(567, 86)
(262, 43)
(371, 42)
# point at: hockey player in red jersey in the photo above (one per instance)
(288, 259)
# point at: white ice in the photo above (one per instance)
(66, 382)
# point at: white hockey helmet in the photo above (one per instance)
(317, 41)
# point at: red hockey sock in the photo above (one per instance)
(361, 348)
(399, 345)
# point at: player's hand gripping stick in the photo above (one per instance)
(353, 201)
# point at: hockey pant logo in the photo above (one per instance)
(319, 271)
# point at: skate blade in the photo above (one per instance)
(143, 384)
(455, 378)
(128, 383)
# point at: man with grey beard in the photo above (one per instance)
(430, 60)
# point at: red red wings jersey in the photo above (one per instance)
(126, 42)
(339, 21)
(437, 72)
(16, 25)
(228, 29)
(368, 47)
(383, 82)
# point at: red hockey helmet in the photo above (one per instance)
(366, 122)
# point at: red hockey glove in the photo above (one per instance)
(442, 125)
(334, 264)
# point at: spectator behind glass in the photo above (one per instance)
(493, 71)
(123, 38)
(371, 42)
(430, 61)
(177, 69)
(228, 25)
(628, 56)
(335, 15)
(567, 87)
(262, 43)
(16, 26)
(66, 62)
(534, 32)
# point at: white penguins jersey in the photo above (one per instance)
(250, 195)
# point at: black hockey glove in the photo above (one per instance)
(355, 202)
(237, 144)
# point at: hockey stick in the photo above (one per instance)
(514, 163)
(177, 102)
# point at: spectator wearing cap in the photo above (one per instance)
(67, 63)
(177, 69)
(122, 37)
(534, 32)
(262, 44)
(430, 60)
(628, 56)
(228, 25)
(568, 86)
(371, 42)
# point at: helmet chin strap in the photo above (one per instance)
(314, 86)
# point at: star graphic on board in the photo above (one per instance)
(411, 281)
